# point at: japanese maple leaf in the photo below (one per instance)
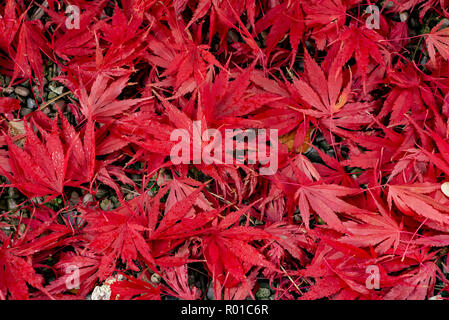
(379, 229)
(134, 289)
(241, 292)
(43, 167)
(217, 170)
(326, 98)
(290, 238)
(101, 103)
(225, 15)
(182, 222)
(81, 152)
(362, 43)
(227, 102)
(391, 145)
(123, 47)
(416, 285)
(324, 200)
(333, 171)
(9, 24)
(417, 274)
(279, 115)
(123, 232)
(110, 175)
(284, 19)
(425, 6)
(9, 104)
(339, 271)
(87, 264)
(28, 57)
(325, 18)
(438, 40)
(439, 159)
(185, 61)
(116, 234)
(180, 189)
(412, 163)
(410, 92)
(142, 129)
(224, 7)
(75, 42)
(114, 50)
(177, 278)
(412, 199)
(229, 254)
(178, 283)
(303, 186)
(15, 274)
(43, 233)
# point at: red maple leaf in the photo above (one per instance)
(15, 273)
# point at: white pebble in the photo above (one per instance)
(445, 189)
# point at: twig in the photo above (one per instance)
(53, 100)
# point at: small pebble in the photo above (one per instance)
(130, 196)
(37, 94)
(39, 13)
(100, 193)
(155, 278)
(106, 205)
(54, 88)
(210, 293)
(424, 60)
(52, 95)
(162, 178)
(22, 228)
(70, 217)
(25, 111)
(60, 104)
(445, 189)
(403, 16)
(263, 293)
(37, 200)
(16, 128)
(87, 199)
(101, 293)
(8, 90)
(74, 197)
(31, 104)
(12, 205)
(22, 91)
(13, 193)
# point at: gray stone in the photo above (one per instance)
(31, 104)
(210, 293)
